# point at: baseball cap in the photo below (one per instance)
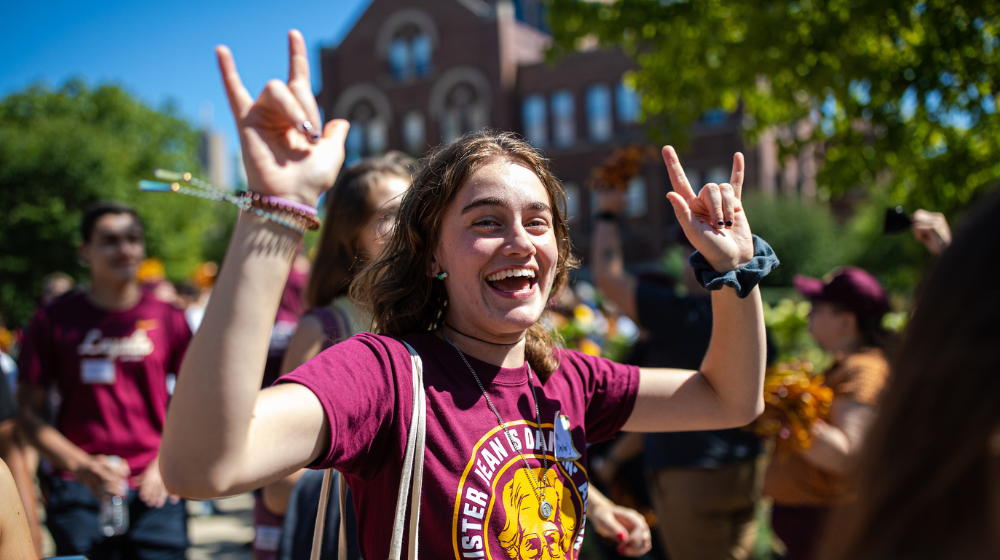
(849, 286)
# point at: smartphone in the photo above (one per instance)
(896, 220)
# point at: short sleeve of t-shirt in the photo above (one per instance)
(37, 352)
(611, 390)
(863, 376)
(355, 383)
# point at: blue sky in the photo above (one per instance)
(161, 50)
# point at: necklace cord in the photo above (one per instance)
(445, 323)
(538, 418)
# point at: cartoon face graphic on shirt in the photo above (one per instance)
(498, 513)
(526, 535)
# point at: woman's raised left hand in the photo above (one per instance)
(285, 150)
(713, 219)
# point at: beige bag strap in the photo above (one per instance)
(412, 477)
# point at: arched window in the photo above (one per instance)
(410, 54)
(599, 125)
(422, 51)
(399, 59)
(414, 133)
(535, 120)
(464, 111)
(406, 41)
(563, 118)
(368, 134)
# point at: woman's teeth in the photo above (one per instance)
(526, 272)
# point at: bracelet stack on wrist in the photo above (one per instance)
(293, 215)
(307, 215)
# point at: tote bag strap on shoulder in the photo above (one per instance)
(412, 478)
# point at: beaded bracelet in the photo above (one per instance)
(311, 210)
(282, 214)
(306, 214)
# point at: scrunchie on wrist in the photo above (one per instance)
(743, 280)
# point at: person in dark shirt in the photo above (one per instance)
(704, 484)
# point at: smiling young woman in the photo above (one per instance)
(480, 242)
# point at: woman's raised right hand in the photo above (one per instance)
(285, 152)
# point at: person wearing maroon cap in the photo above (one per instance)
(107, 350)
(846, 321)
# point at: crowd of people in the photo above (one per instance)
(421, 326)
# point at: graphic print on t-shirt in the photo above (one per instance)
(132, 348)
(498, 490)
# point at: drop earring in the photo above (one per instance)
(441, 275)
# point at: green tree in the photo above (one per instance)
(62, 150)
(902, 94)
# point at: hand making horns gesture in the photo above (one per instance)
(713, 219)
(285, 152)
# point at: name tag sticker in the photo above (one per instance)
(97, 371)
(565, 451)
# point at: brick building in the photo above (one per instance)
(415, 73)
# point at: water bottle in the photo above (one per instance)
(114, 508)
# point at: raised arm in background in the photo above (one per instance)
(931, 229)
(606, 263)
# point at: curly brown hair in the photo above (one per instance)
(396, 288)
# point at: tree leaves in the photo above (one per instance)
(900, 94)
(62, 150)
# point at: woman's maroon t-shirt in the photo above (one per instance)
(479, 500)
(111, 371)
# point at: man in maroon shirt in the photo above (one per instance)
(107, 350)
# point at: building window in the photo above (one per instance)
(627, 103)
(463, 112)
(354, 144)
(399, 59)
(410, 54)
(635, 197)
(533, 114)
(368, 134)
(378, 136)
(422, 55)
(563, 118)
(599, 113)
(414, 134)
